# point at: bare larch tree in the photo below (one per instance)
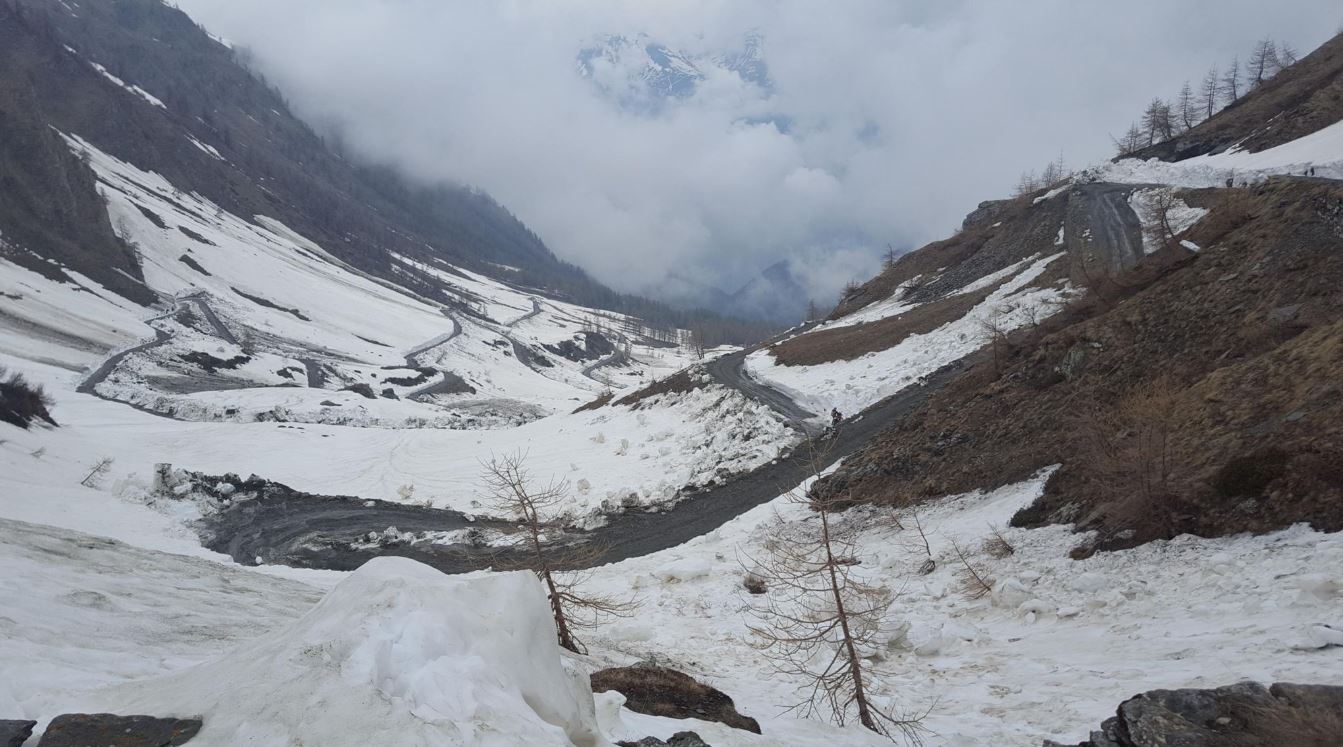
(513, 492)
(1263, 62)
(1185, 107)
(1286, 56)
(817, 618)
(1207, 94)
(1231, 82)
(1157, 124)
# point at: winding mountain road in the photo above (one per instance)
(1106, 224)
(730, 371)
(315, 532)
(90, 383)
(221, 331)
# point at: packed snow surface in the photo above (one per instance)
(112, 604)
(1051, 652)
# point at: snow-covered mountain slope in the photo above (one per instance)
(901, 331)
(643, 75)
(270, 349)
(256, 317)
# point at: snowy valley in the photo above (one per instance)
(290, 481)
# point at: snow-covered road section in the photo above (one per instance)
(852, 386)
(1322, 150)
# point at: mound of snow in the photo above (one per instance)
(396, 653)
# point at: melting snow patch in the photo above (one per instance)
(1180, 217)
(138, 91)
(1051, 194)
(209, 149)
(1059, 640)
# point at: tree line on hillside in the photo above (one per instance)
(1054, 173)
(1220, 87)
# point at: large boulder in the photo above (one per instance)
(107, 730)
(658, 691)
(679, 739)
(14, 733)
(1246, 714)
(987, 211)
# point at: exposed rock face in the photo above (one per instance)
(679, 739)
(658, 691)
(107, 730)
(1242, 715)
(987, 211)
(15, 733)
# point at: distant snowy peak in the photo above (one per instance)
(643, 74)
(749, 62)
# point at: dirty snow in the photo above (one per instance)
(138, 91)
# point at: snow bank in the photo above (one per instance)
(1322, 150)
(396, 653)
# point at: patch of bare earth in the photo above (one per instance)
(681, 382)
(855, 341)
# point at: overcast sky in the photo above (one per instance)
(897, 116)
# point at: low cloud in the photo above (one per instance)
(867, 123)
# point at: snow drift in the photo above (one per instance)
(399, 649)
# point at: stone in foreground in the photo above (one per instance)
(107, 730)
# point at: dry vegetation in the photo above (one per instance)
(847, 343)
(681, 382)
(818, 615)
(602, 400)
(995, 236)
(1199, 394)
(514, 492)
(23, 403)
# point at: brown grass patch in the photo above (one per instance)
(601, 401)
(681, 382)
(855, 341)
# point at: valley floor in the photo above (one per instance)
(1052, 650)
